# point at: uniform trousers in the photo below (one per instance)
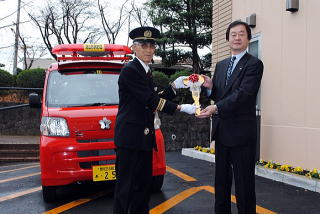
(134, 180)
(237, 162)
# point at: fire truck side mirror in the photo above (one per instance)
(34, 100)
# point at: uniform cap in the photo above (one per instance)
(144, 34)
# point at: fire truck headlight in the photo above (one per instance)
(54, 126)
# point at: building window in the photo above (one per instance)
(255, 50)
(254, 46)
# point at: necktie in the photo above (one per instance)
(229, 70)
(149, 74)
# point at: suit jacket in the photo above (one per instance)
(236, 119)
(138, 102)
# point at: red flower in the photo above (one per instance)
(194, 78)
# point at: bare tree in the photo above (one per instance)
(31, 52)
(140, 14)
(137, 15)
(66, 21)
(112, 27)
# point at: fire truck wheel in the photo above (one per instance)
(157, 183)
(49, 193)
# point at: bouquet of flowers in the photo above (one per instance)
(194, 82)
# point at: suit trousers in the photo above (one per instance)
(134, 180)
(237, 162)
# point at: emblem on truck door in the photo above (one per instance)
(105, 123)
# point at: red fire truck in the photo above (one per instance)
(79, 107)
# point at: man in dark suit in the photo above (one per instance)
(134, 131)
(234, 89)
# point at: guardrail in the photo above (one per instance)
(18, 88)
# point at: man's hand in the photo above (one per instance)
(178, 83)
(207, 112)
(207, 82)
(188, 108)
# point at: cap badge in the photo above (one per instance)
(147, 33)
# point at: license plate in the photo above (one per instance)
(104, 173)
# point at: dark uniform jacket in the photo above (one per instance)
(236, 102)
(138, 102)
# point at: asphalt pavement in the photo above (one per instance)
(188, 188)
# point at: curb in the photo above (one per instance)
(283, 177)
(10, 139)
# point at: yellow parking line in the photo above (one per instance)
(11, 170)
(75, 203)
(165, 206)
(261, 210)
(212, 190)
(161, 208)
(180, 174)
(20, 177)
(15, 195)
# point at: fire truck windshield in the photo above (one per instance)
(82, 88)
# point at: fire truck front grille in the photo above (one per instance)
(95, 153)
(96, 140)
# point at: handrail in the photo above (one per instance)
(19, 88)
(15, 106)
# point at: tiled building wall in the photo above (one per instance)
(222, 16)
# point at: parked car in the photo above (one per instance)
(78, 113)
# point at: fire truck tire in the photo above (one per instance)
(49, 193)
(157, 183)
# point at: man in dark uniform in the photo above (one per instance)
(134, 131)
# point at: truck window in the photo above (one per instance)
(83, 88)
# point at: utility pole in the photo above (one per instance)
(15, 56)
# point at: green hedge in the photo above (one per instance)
(6, 79)
(14, 77)
(179, 73)
(160, 80)
(33, 78)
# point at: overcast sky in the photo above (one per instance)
(8, 17)
(28, 29)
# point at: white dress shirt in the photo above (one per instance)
(144, 65)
